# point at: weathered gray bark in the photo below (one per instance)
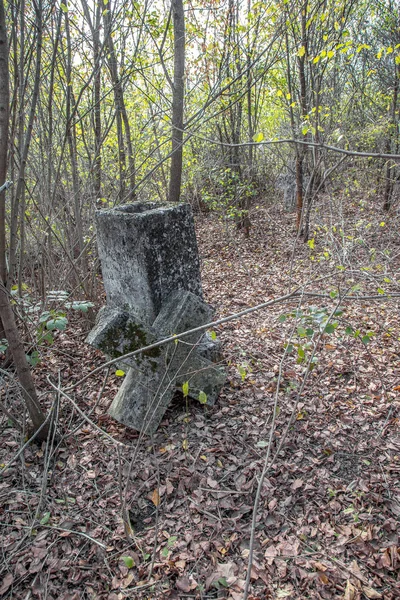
(175, 179)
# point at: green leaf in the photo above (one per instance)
(311, 243)
(129, 562)
(64, 8)
(45, 519)
(310, 332)
(44, 316)
(365, 339)
(213, 335)
(83, 305)
(185, 389)
(300, 352)
(171, 541)
(59, 323)
(333, 294)
(203, 397)
(119, 373)
(301, 331)
(381, 291)
(262, 444)
(349, 331)
(330, 328)
(282, 318)
(33, 358)
(47, 338)
(242, 372)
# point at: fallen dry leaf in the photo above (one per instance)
(350, 592)
(6, 584)
(155, 497)
(185, 584)
(371, 593)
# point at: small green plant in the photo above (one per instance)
(46, 322)
(170, 544)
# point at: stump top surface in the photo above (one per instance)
(137, 209)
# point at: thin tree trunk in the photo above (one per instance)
(178, 94)
(301, 152)
(6, 312)
(71, 137)
(393, 136)
(121, 114)
(21, 129)
(25, 149)
(97, 99)
(4, 118)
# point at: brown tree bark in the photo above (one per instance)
(178, 94)
(25, 150)
(6, 312)
(4, 118)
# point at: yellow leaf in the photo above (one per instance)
(258, 137)
(185, 444)
(155, 498)
(301, 51)
(119, 373)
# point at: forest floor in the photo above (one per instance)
(328, 521)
